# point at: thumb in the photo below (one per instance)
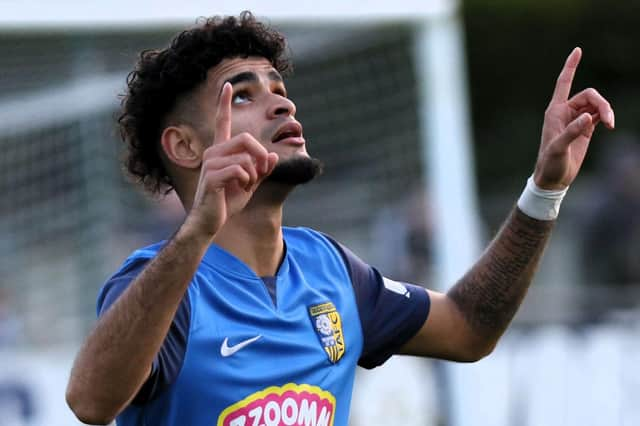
(578, 127)
(273, 161)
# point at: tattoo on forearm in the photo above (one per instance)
(491, 292)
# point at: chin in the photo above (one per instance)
(296, 170)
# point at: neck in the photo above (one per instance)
(254, 235)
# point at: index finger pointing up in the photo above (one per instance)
(563, 85)
(223, 116)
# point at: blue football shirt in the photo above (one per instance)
(245, 350)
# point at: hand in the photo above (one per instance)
(567, 129)
(232, 168)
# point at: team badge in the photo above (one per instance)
(328, 325)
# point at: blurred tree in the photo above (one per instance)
(516, 49)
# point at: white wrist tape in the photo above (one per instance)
(538, 203)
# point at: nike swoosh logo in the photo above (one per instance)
(226, 350)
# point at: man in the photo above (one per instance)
(237, 321)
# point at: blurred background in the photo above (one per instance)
(427, 116)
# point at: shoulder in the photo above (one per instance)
(308, 240)
(128, 271)
(302, 234)
(316, 251)
(318, 244)
(141, 255)
(147, 252)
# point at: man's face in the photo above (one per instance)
(259, 105)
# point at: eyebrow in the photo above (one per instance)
(250, 76)
(274, 76)
(242, 77)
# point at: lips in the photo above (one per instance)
(288, 130)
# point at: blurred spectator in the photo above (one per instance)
(611, 244)
(160, 219)
(16, 404)
(406, 229)
(167, 215)
(10, 330)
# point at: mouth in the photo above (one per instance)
(290, 132)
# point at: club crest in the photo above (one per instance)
(328, 325)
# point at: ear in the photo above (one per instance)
(181, 146)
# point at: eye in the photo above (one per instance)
(242, 97)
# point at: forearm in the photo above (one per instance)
(116, 357)
(489, 295)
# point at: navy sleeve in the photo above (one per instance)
(168, 362)
(390, 312)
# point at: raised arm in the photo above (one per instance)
(116, 358)
(465, 323)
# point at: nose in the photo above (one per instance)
(281, 106)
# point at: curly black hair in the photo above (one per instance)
(162, 78)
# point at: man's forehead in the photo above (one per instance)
(233, 66)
